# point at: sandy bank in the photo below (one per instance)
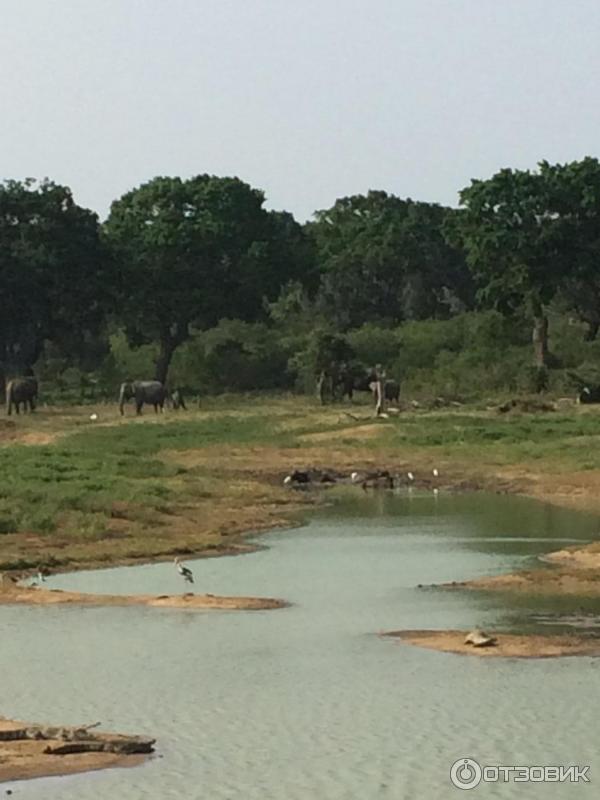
(571, 571)
(35, 751)
(11, 594)
(508, 645)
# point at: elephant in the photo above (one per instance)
(152, 392)
(21, 390)
(351, 381)
(391, 390)
(177, 400)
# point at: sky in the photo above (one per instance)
(308, 100)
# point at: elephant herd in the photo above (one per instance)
(23, 392)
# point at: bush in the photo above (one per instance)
(234, 356)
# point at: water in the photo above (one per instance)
(307, 703)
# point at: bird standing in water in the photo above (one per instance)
(185, 572)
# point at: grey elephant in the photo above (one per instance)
(21, 390)
(177, 400)
(152, 392)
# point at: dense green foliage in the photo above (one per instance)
(56, 279)
(194, 281)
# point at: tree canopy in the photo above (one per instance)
(383, 258)
(194, 251)
(55, 279)
(527, 235)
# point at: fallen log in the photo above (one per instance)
(128, 745)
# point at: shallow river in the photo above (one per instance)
(307, 703)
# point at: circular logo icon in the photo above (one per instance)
(465, 773)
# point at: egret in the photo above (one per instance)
(410, 476)
(354, 477)
(93, 417)
(41, 576)
(287, 480)
(185, 572)
(435, 472)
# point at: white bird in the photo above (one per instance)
(41, 576)
(93, 417)
(410, 476)
(435, 473)
(185, 572)
(287, 480)
(354, 477)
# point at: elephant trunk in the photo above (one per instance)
(123, 396)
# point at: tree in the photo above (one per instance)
(194, 251)
(385, 259)
(509, 230)
(54, 273)
(576, 199)
(529, 235)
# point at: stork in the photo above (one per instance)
(185, 572)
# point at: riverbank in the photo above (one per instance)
(120, 491)
(29, 750)
(506, 646)
(11, 594)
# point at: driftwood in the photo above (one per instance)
(123, 745)
(66, 740)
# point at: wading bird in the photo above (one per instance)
(185, 572)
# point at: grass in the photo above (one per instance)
(77, 493)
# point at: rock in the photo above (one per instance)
(480, 639)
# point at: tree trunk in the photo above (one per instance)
(168, 345)
(592, 331)
(540, 340)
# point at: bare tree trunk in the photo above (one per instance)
(592, 331)
(163, 361)
(540, 340)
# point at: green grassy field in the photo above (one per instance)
(75, 492)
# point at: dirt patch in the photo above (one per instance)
(11, 594)
(574, 581)
(37, 437)
(507, 645)
(358, 433)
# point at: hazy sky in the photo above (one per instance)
(309, 100)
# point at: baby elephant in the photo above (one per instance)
(21, 390)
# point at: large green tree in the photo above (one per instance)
(385, 259)
(529, 235)
(54, 273)
(192, 252)
(575, 189)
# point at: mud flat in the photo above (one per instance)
(571, 571)
(30, 750)
(12, 594)
(507, 645)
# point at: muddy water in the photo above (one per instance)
(306, 703)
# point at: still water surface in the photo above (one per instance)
(307, 703)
